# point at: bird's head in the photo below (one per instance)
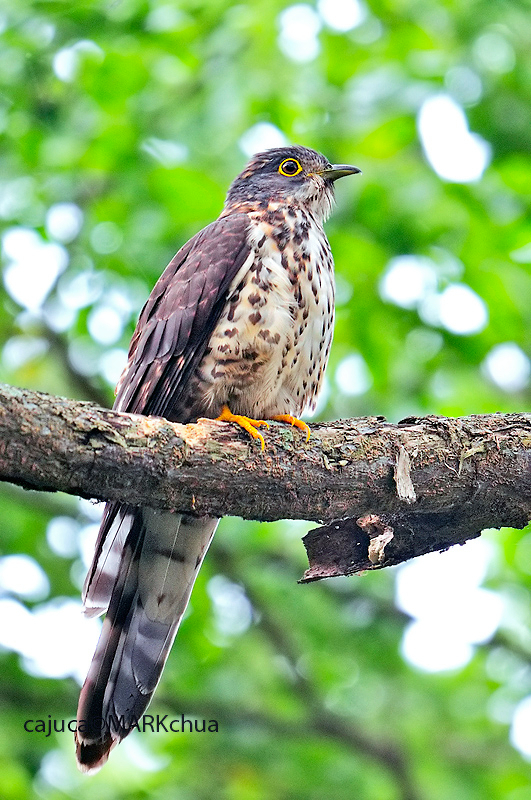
(288, 175)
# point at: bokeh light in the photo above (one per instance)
(446, 624)
(299, 29)
(454, 152)
(508, 367)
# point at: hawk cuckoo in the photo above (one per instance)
(238, 328)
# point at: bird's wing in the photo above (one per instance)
(176, 323)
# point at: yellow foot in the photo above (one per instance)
(249, 425)
(297, 423)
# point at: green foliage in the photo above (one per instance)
(134, 111)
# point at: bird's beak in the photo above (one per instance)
(336, 171)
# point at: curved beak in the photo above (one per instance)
(336, 171)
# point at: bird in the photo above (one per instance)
(238, 328)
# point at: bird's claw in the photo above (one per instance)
(248, 424)
(297, 423)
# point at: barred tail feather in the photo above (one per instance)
(117, 522)
(160, 560)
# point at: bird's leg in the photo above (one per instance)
(297, 423)
(248, 424)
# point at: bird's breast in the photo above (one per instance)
(268, 352)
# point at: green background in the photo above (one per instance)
(135, 112)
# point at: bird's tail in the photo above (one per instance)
(144, 570)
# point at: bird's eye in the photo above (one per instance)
(290, 167)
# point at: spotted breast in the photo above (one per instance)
(269, 350)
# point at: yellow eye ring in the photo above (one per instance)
(290, 167)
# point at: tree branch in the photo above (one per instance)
(388, 492)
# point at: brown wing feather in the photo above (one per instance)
(176, 323)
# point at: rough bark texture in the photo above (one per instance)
(387, 492)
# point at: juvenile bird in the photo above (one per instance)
(238, 328)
